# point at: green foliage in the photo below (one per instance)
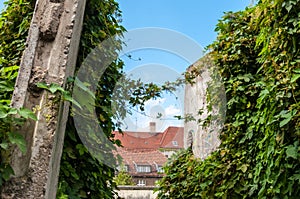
(181, 178)
(82, 175)
(123, 178)
(14, 24)
(257, 52)
(63, 93)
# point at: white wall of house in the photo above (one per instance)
(136, 192)
(168, 153)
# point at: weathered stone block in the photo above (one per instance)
(50, 21)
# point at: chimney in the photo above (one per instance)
(152, 127)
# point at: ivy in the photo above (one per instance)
(82, 175)
(14, 24)
(257, 52)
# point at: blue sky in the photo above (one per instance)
(196, 19)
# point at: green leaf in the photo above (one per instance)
(292, 152)
(295, 78)
(298, 69)
(84, 88)
(12, 111)
(55, 87)
(284, 122)
(244, 168)
(4, 145)
(287, 115)
(295, 177)
(9, 69)
(3, 114)
(19, 140)
(68, 97)
(26, 113)
(6, 87)
(81, 149)
(42, 85)
(7, 172)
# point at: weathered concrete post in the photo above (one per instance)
(50, 56)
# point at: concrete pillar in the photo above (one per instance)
(50, 57)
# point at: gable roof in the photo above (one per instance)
(132, 159)
(139, 140)
(142, 158)
(172, 138)
(152, 141)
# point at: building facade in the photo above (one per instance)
(145, 153)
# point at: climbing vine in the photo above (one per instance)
(14, 25)
(257, 52)
(82, 175)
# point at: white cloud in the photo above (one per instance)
(168, 108)
(154, 102)
(172, 111)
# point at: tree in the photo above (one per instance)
(123, 178)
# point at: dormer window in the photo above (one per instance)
(160, 169)
(126, 168)
(123, 168)
(143, 168)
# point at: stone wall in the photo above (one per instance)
(204, 139)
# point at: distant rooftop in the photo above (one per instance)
(171, 138)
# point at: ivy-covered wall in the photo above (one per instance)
(258, 54)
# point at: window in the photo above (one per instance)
(160, 169)
(175, 143)
(126, 168)
(143, 168)
(141, 182)
(123, 168)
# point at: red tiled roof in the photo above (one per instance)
(152, 158)
(152, 141)
(143, 148)
(139, 140)
(173, 138)
(142, 158)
